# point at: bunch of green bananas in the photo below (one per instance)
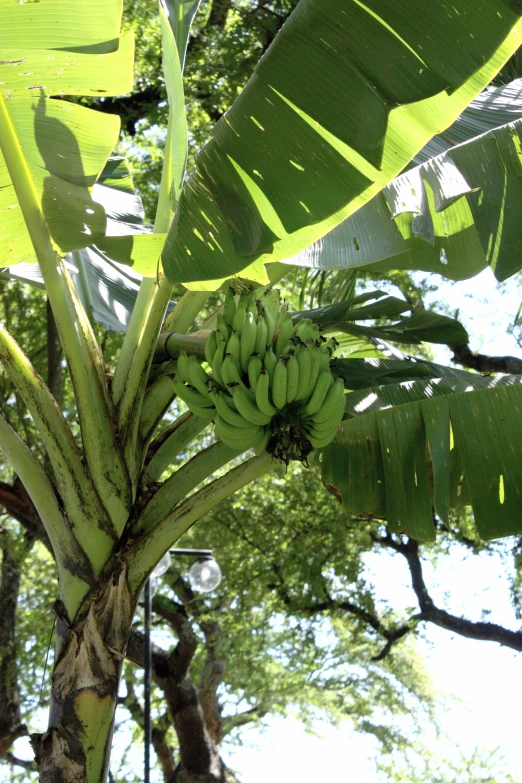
(271, 385)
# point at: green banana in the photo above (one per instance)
(198, 377)
(233, 348)
(283, 335)
(244, 402)
(333, 402)
(210, 348)
(229, 308)
(270, 362)
(261, 337)
(287, 349)
(183, 367)
(217, 362)
(252, 309)
(321, 431)
(315, 361)
(226, 412)
(303, 359)
(221, 326)
(321, 442)
(280, 316)
(199, 405)
(203, 413)
(304, 329)
(271, 301)
(270, 325)
(239, 317)
(279, 384)
(332, 422)
(247, 341)
(260, 446)
(255, 366)
(320, 391)
(262, 395)
(292, 382)
(230, 373)
(325, 359)
(237, 437)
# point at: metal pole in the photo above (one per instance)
(146, 683)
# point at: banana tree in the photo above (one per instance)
(344, 98)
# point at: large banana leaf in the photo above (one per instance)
(438, 442)
(378, 371)
(454, 214)
(55, 48)
(494, 107)
(342, 100)
(107, 289)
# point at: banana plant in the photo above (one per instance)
(344, 98)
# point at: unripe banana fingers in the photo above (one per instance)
(198, 377)
(320, 391)
(255, 366)
(262, 395)
(247, 341)
(211, 348)
(248, 408)
(236, 437)
(279, 384)
(227, 413)
(319, 442)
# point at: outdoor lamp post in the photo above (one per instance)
(204, 576)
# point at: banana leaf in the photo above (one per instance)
(494, 107)
(421, 326)
(454, 214)
(378, 371)
(419, 445)
(107, 289)
(56, 49)
(343, 99)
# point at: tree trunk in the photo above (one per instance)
(10, 726)
(86, 675)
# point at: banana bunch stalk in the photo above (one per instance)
(270, 385)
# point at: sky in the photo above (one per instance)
(481, 680)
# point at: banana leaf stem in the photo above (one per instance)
(170, 442)
(151, 547)
(91, 525)
(158, 398)
(181, 318)
(160, 393)
(170, 344)
(75, 575)
(131, 374)
(182, 482)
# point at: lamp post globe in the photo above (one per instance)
(205, 575)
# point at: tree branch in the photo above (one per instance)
(231, 722)
(27, 764)
(16, 501)
(462, 354)
(429, 612)
(219, 13)
(214, 667)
